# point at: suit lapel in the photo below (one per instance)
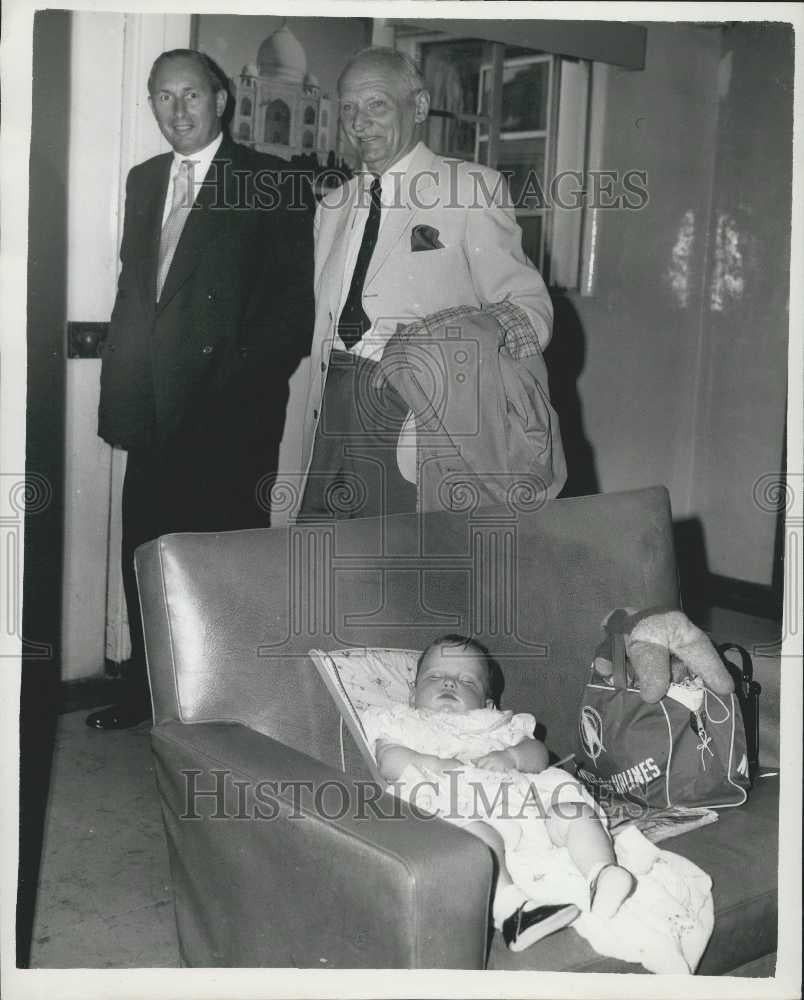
(335, 264)
(401, 211)
(152, 230)
(206, 221)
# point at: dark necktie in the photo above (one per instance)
(353, 321)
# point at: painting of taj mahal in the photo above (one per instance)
(279, 106)
(284, 89)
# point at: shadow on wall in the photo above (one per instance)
(693, 568)
(702, 590)
(565, 357)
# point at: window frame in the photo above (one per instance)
(559, 262)
(548, 134)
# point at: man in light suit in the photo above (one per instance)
(214, 310)
(410, 236)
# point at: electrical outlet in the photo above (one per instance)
(85, 340)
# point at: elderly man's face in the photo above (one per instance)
(187, 108)
(379, 114)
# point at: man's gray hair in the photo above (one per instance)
(405, 68)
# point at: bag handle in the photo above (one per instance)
(746, 665)
(618, 666)
(748, 691)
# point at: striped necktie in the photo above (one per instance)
(353, 321)
(180, 208)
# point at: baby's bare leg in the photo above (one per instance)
(590, 848)
(508, 898)
(491, 837)
(521, 921)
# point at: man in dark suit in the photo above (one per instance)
(214, 310)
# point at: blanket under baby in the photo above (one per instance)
(664, 925)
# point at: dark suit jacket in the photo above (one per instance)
(201, 376)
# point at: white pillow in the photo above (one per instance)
(363, 676)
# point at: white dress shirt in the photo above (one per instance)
(201, 161)
(373, 341)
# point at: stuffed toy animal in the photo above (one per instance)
(662, 646)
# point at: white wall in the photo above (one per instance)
(675, 388)
(742, 405)
(92, 224)
(110, 129)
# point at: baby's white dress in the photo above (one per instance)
(664, 925)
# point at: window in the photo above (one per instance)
(245, 107)
(452, 71)
(524, 141)
(531, 130)
(308, 141)
(309, 115)
(245, 131)
(277, 123)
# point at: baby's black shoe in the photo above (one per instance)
(527, 926)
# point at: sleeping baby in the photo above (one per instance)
(452, 728)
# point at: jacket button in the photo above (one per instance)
(211, 296)
(243, 352)
(207, 349)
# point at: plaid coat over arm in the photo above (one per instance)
(486, 432)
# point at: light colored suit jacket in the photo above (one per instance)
(481, 261)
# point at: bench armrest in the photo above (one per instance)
(278, 860)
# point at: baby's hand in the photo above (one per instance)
(440, 765)
(392, 759)
(497, 760)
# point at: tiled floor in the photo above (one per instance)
(104, 897)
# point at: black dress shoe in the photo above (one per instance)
(119, 716)
(527, 926)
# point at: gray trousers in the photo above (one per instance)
(354, 470)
